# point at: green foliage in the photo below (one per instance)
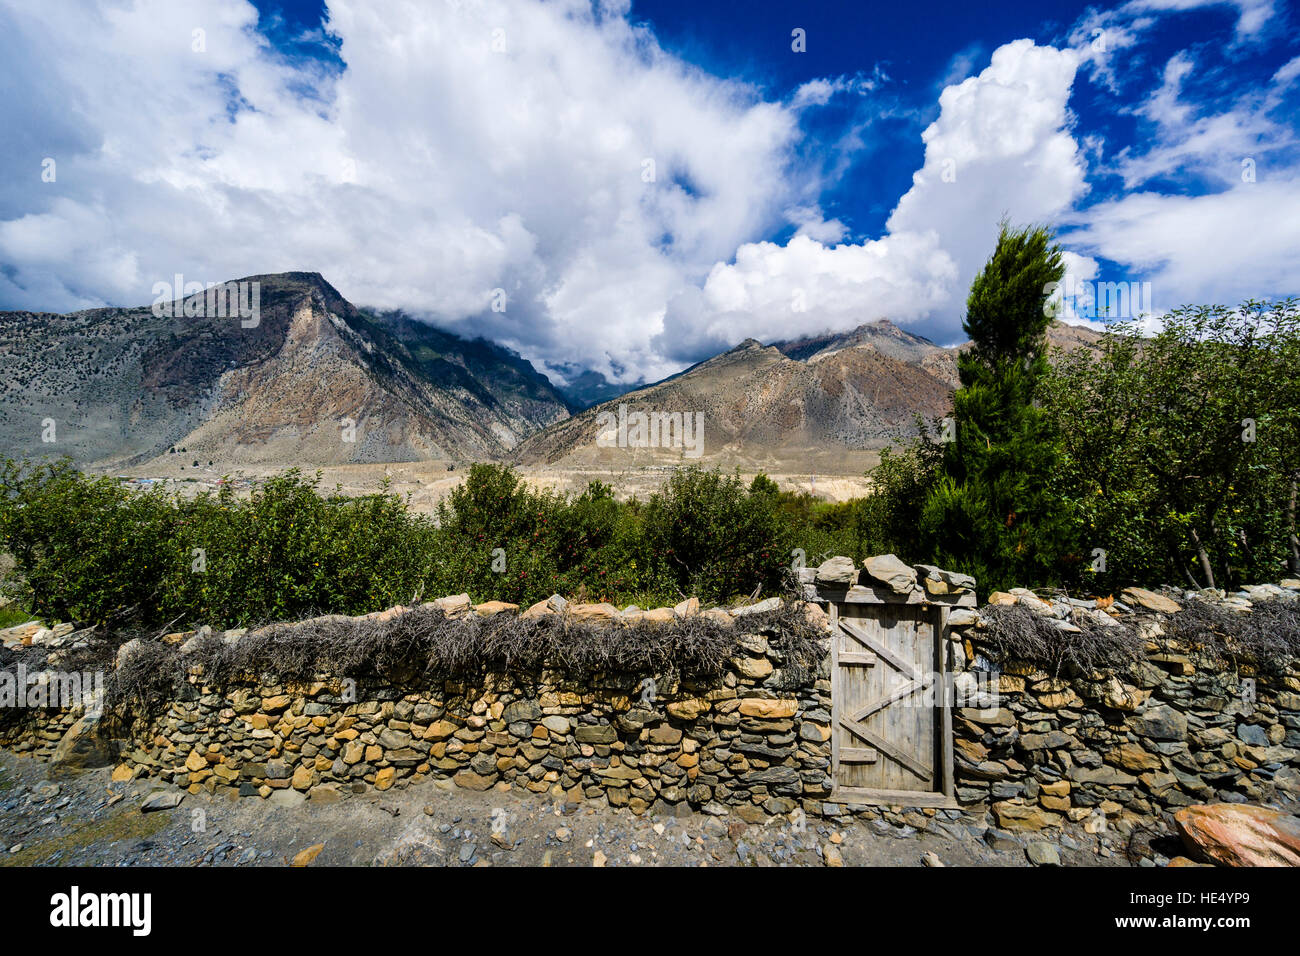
(11, 616)
(287, 551)
(90, 549)
(887, 520)
(1130, 465)
(992, 511)
(1159, 470)
(86, 548)
(705, 534)
(1134, 449)
(499, 539)
(1005, 317)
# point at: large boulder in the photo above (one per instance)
(890, 571)
(718, 616)
(762, 607)
(1151, 600)
(1235, 834)
(488, 608)
(593, 612)
(555, 604)
(82, 748)
(839, 570)
(965, 617)
(455, 606)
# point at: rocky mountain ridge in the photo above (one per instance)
(312, 380)
(813, 399)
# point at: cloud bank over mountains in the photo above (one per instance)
(638, 212)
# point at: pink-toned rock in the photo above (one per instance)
(555, 604)
(1235, 834)
(488, 608)
(815, 616)
(593, 612)
(540, 609)
(386, 615)
(455, 606)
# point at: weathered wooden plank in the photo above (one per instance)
(858, 755)
(856, 659)
(888, 749)
(945, 754)
(903, 690)
(837, 691)
(865, 640)
(872, 796)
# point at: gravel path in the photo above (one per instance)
(87, 820)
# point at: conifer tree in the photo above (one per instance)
(992, 511)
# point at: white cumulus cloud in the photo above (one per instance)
(1001, 145)
(552, 150)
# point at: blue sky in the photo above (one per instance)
(648, 182)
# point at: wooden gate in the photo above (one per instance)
(891, 737)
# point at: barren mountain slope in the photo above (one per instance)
(806, 404)
(122, 386)
(757, 404)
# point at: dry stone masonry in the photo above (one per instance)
(1176, 727)
(749, 740)
(1034, 748)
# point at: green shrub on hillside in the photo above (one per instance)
(87, 548)
(704, 533)
(497, 539)
(1181, 451)
(93, 550)
(288, 551)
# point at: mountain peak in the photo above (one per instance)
(881, 334)
(132, 383)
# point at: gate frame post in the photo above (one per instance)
(938, 606)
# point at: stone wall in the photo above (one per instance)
(1039, 748)
(1174, 729)
(745, 741)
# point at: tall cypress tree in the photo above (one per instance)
(992, 511)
